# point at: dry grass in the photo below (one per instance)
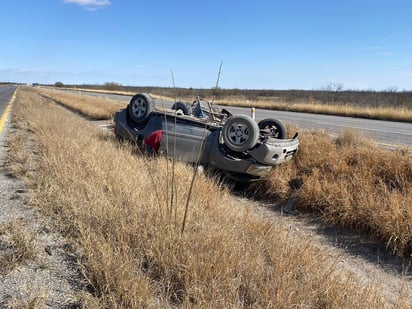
(36, 299)
(397, 113)
(370, 112)
(119, 92)
(382, 113)
(16, 246)
(125, 213)
(352, 183)
(96, 108)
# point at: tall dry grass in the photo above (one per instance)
(96, 108)
(369, 112)
(353, 183)
(372, 194)
(115, 205)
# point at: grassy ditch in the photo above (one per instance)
(352, 183)
(124, 212)
(95, 108)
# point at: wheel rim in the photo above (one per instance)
(239, 133)
(139, 107)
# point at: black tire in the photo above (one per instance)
(240, 133)
(185, 108)
(272, 128)
(140, 107)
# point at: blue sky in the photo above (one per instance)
(269, 44)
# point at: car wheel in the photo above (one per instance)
(139, 108)
(272, 128)
(183, 108)
(240, 133)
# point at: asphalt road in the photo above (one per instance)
(384, 132)
(6, 94)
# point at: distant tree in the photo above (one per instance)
(332, 90)
(391, 89)
(58, 84)
(112, 86)
(336, 87)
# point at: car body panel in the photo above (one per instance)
(199, 141)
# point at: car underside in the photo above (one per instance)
(233, 144)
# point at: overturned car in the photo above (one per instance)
(202, 133)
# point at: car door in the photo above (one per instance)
(184, 139)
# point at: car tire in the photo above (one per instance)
(182, 107)
(273, 128)
(140, 107)
(240, 133)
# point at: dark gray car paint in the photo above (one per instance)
(193, 140)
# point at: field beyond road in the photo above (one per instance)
(381, 105)
(124, 213)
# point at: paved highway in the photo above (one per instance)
(383, 132)
(6, 94)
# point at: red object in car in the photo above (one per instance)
(153, 141)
